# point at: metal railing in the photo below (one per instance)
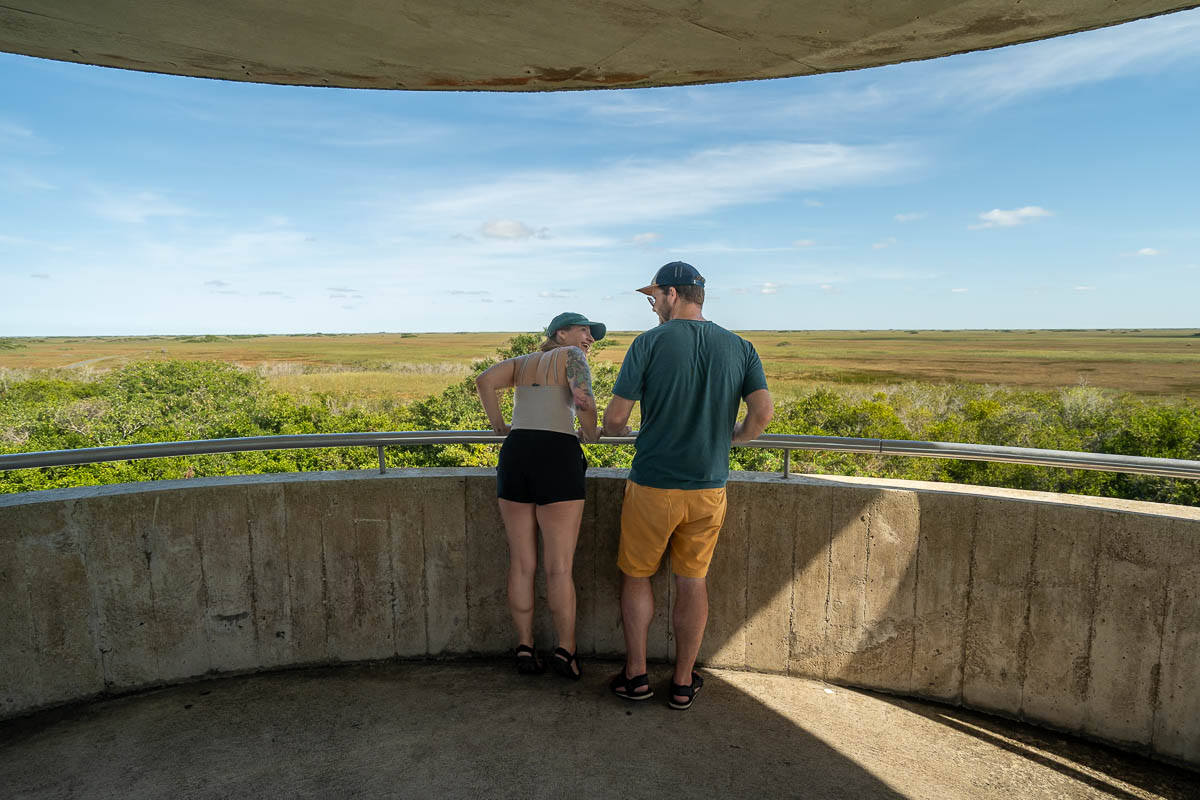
(1164, 467)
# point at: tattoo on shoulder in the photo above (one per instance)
(578, 374)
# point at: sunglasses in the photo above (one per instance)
(651, 299)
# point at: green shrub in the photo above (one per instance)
(186, 400)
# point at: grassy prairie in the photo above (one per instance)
(1162, 363)
(381, 367)
(365, 351)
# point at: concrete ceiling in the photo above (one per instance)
(532, 45)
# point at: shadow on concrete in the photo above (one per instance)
(472, 729)
(476, 729)
(1111, 772)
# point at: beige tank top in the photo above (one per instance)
(543, 406)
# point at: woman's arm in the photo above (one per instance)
(491, 380)
(579, 378)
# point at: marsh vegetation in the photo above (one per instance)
(1124, 392)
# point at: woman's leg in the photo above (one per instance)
(560, 533)
(520, 524)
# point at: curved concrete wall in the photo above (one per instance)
(1076, 613)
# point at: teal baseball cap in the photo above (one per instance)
(569, 318)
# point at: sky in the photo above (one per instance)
(1049, 185)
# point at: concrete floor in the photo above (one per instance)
(476, 729)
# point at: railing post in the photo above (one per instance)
(787, 462)
(382, 463)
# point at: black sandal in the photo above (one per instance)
(527, 661)
(623, 687)
(566, 664)
(690, 692)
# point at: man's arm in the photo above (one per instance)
(760, 408)
(616, 416)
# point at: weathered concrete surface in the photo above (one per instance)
(1081, 614)
(476, 729)
(532, 45)
(1061, 601)
(997, 601)
(1175, 733)
(943, 585)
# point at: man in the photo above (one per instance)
(690, 375)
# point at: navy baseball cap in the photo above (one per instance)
(677, 273)
(569, 318)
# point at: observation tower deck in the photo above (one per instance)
(344, 633)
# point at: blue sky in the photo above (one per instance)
(1049, 185)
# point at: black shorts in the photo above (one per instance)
(540, 467)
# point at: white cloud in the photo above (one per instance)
(19, 177)
(770, 288)
(813, 203)
(507, 229)
(639, 190)
(898, 275)
(19, 136)
(559, 293)
(1147, 251)
(645, 239)
(1002, 218)
(980, 82)
(14, 131)
(738, 290)
(888, 242)
(217, 284)
(234, 251)
(40, 276)
(803, 243)
(718, 247)
(1137, 47)
(133, 208)
(960, 291)
(342, 289)
(1085, 288)
(627, 107)
(829, 288)
(909, 216)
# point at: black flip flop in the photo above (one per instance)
(690, 692)
(624, 687)
(562, 662)
(527, 661)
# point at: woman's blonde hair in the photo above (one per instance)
(551, 342)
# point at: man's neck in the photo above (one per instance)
(687, 311)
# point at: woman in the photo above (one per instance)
(540, 476)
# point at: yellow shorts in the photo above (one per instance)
(688, 519)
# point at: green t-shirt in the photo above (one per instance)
(690, 377)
